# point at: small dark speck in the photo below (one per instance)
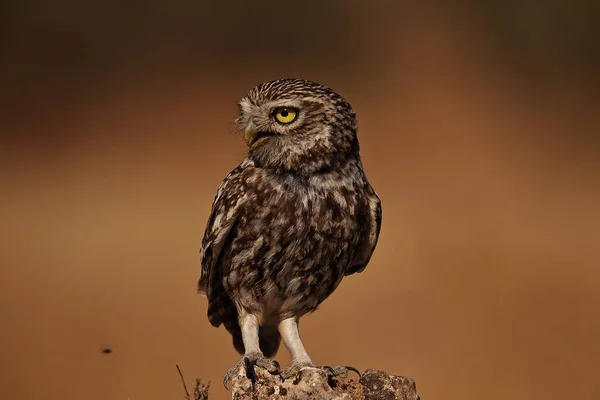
(106, 351)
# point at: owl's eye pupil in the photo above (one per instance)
(284, 113)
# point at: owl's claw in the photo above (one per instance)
(342, 371)
(247, 363)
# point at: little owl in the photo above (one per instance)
(286, 225)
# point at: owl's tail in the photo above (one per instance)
(268, 337)
(236, 335)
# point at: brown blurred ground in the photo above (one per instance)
(479, 130)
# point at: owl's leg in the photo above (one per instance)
(288, 328)
(252, 354)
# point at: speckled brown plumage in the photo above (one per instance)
(294, 218)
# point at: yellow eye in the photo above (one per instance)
(285, 115)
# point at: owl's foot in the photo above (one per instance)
(294, 370)
(337, 372)
(247, 363)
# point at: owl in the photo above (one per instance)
(289, 223)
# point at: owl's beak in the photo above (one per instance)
(250, 133)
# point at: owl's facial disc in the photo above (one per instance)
(297, 125)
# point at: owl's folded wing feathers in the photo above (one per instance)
(365, 249)
(223, 216)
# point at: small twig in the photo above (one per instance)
(200, 390)
(187, 392)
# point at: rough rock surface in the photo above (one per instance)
(382, 386)
(314, 383)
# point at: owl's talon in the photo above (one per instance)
(333, 372)
(228, 376)
(232, 372)
(328, 369)
(294, 370)
(270, 365)
(340, 371)
(248, 362)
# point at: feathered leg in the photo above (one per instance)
(288, 328)
(252, 354)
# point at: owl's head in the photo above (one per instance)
(297, 125)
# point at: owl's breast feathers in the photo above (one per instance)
(295, 236)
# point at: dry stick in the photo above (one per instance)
(200, 390)
(187, 392)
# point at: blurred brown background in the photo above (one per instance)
(479, 125)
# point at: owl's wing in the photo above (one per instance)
(366, 248)
(223, 216)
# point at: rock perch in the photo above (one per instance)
(315, 384)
